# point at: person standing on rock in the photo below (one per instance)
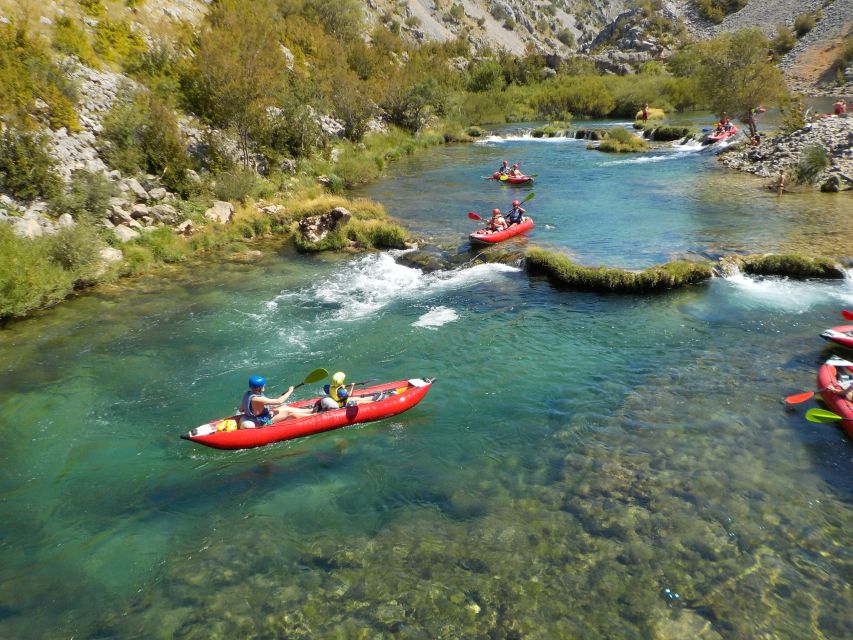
(645, 113)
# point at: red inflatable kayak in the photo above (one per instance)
(499, 236)
(408, 394)
(842, 335)
(827, 376)
(512, 179)
(716, 137)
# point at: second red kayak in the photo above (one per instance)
(842, 335)
(512, 179)
(828, 376)
(391, 398)
(716, 137)
(484, 236)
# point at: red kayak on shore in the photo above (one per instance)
(497, 175)
(392, 398)
(842, 335)
(486, 237)
(828, 376)
(716, 137)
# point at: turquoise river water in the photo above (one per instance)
(586, 466)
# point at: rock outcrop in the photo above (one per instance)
(316, 228)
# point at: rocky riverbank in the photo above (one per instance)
(833, 134)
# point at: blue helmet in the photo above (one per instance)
(256, 382)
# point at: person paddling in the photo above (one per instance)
(504, 170)
(496, 222)
(516, 172)
(516, 214)
(258, 410)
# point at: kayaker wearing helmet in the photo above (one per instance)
(504, 170)
(337, 395)
(515, 171)
(497, 222)
(516, 214)
(258, 410)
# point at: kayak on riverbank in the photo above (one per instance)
(485, 237)
(392, 398)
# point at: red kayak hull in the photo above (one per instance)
(512, 179)
(499, 236)
(827, 376)
(716, 137)
(316, 423)
(842, 335)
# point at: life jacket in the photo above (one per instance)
(515, 216)
(334, 394)
(247, 402)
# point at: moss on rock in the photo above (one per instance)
(792, 265)
(561, 270)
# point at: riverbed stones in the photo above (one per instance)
(185, 228)
(220, 212)
(316, 228)
(132, 185)
(164, 213)
(158, 193)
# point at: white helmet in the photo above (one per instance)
(338, 378)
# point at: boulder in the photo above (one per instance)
(120, 216)
(220, 212)
(138, 211)
(27, 228)
(65, 220)
(185, 228)
(271, 209)
(287, 165)
(831, 185)
(316, 228)
(135, 188)
(164, 213)
(158, 193)
(107, 257)
(121, 203)
(125, 233)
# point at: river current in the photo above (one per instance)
(586, 466)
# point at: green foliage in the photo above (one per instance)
(410, 101)
(562, 271)
(377, 234)
(341, 18)
(667, 134)
(804, 23)
(716, 10)
(27, 74)
(352, 107)
(116, 42)
(235, 185)
(93, 8)
(783, 41)
(70, 39)
(584, 95)
(86, 196)
(567, 38)
(164, 245)
(77, 250)
(793, 114)
(620, 140)
(142, 135)
(26, 168)
(813, 160)
(485, 76)
(734, 74)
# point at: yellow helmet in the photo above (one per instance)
(338, 378)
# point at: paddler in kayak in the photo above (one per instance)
(516, 214)
(259, 411)
(496, 222)
(504, 170)
(338, 396)
(516, 172)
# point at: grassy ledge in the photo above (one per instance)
(563, 272)
(792, 265)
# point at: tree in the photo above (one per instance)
(238, 68)
(734, 72)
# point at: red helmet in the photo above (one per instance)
(516, 203)
(496, 212)
(515, 166)
(506, 161)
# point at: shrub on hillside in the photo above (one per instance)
(804, 23)
(77, 250)
(115, 41)
(235, 185)
(813, 161)
(70, 39)
(86, 196)
(584, 95)
(783, 41)
(567, 38)
(485, 76)
(26, 168)
(716, 10)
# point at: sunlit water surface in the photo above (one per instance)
(586, 466)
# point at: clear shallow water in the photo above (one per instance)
(579, 455)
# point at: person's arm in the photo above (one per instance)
(281, 399)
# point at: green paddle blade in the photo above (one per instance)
(529, 196)
(822, 416)
(315, 376)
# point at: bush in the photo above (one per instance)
(235, 185)
(485, 76)
(26, 168)
(567, 38)
(164, 245)
(783, 41)
(584, 95)
(668, 134)
(620, 140)
(77, 250)
(116, 42)
(716, 10)
(804, 23)
(86, 196)
(71, 40)
(813, 161)
(29, 278)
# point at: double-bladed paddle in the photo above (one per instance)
(474, 216)
(314, 376)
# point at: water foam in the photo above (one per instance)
(436, 317)
(525, 137)
(795, 296)
(369, 283)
